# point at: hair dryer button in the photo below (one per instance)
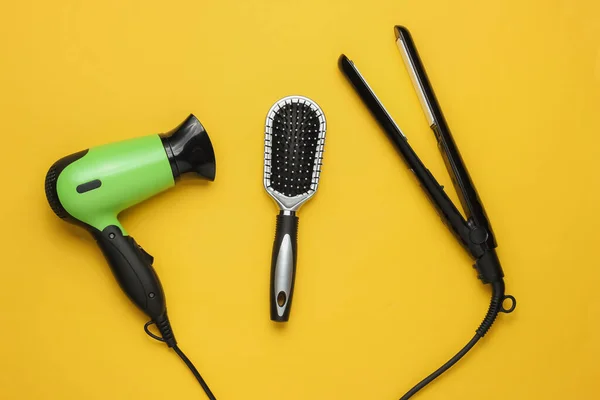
(142, 253)
(147, 257)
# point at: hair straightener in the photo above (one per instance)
(475, 233)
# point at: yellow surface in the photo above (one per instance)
(384, 294)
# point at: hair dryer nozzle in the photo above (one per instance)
(189, 149)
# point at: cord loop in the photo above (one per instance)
(152, 335)
(513, 304)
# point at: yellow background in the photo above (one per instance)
(384, 294)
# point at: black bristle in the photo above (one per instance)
(295, 137)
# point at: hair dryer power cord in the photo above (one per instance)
(496, 307)
(164, 326)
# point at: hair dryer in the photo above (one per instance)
(90, 188)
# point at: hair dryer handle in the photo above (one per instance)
(132, 267)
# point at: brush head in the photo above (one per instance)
(294, 141)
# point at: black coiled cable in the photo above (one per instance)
(496, 307)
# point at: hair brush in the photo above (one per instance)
(294, 141)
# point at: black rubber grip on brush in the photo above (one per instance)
(283, 266)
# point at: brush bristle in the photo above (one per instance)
(297, 136)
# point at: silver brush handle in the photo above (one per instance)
(283, 266)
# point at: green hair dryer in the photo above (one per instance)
(90, 188)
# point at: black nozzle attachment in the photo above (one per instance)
(189, 149)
